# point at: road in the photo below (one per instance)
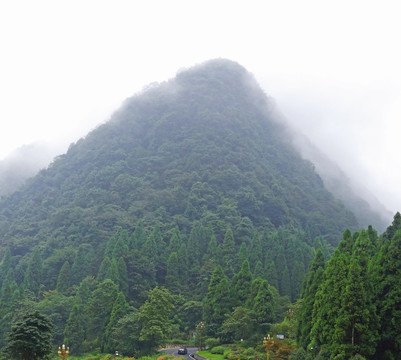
(174, 352)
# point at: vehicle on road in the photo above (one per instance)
(182, 351)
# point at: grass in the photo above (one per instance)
(209, 355)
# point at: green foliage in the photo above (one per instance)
(217, 350)
(30, 338)
(186, 182)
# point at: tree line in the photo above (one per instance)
(351, 305)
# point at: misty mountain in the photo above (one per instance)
(355, 196)
(191, 179)
(205, 146)
(24, 163)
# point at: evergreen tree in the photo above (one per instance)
(310, 286)
(389, 296)
(217, 301)
(259, 271)
(228, 252)
(120, 308)
(172, 275)
(74, 333)
(263, 306)
(123, 276)
(121, 246)
(255, 252)
(242, 284)
(33, 275)
(104, 269)
(270, 270)
(64, 278)
(82, 265)
(138, 237)
(284, 286)
(241, 257)
(356, 323)
(99, 311)
(175, 241)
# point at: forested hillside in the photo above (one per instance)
(192, 186)
(351, 305)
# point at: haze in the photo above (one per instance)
(332, 68)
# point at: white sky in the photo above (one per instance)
(333, 68)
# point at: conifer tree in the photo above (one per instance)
(103, 269)
(228, 252)
(242, 284)
(74, 333)
(120, 308)
(64, 278)
(389, 295)
(310, 286)
(263, 306)
(99, 311)
(259, 271)
(217, 301)
(121, 246)
(81, 267)
(172, 274)
(284, 286)
(241, 257)
(123, 276)
(255, 251)
(175, 241)
(33, 275)
(270, 270)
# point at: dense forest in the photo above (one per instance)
(350, 305)
(189, 204)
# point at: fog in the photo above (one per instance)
(332, 68)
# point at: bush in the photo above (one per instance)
(212, 342)
(218, 350)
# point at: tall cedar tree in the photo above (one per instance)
(217, 302)
(311, 284)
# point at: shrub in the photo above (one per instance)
(212, 342)
(218, 350)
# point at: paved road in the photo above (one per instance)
(191, 350)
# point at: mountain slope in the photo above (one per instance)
(203, 146)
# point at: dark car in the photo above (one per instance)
(182, 351)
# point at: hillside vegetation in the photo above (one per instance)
(190, 198)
